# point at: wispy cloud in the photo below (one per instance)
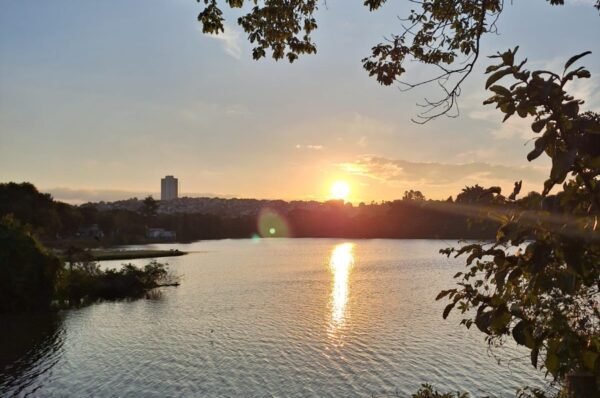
(435, 175)
(231, 40)
(311, 147)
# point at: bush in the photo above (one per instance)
(84, 282)
(427, 391)
(27, 272)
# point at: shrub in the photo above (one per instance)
(27, 272)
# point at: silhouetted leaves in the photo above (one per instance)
(574, 59)
(436, 32)
(539, 280)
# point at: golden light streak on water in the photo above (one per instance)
(340, 264)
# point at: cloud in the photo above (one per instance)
(440, 177)
(311, 147)
(231, 40)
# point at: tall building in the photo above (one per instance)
(168, 188)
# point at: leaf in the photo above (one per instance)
(562, 163)
(522, 334)
(500, 320)
(548, 184)
(589, 359)
(516, 190)
(500, 278)
(493, 68)
(500, 90)
(443, 294)
(508, 58)
(448, 309)
(483, 321)
(538, 125)
(534, 356)
(584, 74)
(540, 146)
(552, 363)
(515, 274)
(496, 76)
(571, 109)
(574, 59)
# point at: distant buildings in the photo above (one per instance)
(168, 188)
(160, 234)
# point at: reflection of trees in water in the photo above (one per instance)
(29, 346)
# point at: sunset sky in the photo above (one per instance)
(100, 99)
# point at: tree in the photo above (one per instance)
(413, 195)
(441, 33)
(149, 207)
(27, 272)
(478, 195)
(540, 280)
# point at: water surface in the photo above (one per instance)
(275, 317)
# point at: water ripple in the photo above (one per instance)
(265, 320)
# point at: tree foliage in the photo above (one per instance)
(427, 391)
(413, 195)
(445, 34)
(540, 280)
(149, 207)
(84, 281)
(27, 272)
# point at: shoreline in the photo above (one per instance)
(124, 254)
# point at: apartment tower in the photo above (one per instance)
(168, 188)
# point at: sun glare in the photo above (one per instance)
(340, 190)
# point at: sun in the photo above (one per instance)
(340, 190)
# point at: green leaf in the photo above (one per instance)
(552, 363)
(589, 359)
(574, 59)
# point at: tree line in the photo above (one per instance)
(413, 216)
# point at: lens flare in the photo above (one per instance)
(271, 224)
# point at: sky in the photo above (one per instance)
(100, 99)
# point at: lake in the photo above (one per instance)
(270, 317)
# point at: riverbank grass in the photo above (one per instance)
(117, 254)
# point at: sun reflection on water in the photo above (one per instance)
(340, 264)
